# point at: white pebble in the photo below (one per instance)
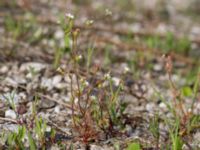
(10, 114)
(57, 109)
(57, 79)
(162, 105)
(59, 34)
(157, 67)
(4, 69)
(35, 65)
(150, 107)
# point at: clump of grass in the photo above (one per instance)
(154, 129)
(183, 120)
(170, 44)
(31, 133)
(94, 100)
(19, 28)
(60, 51)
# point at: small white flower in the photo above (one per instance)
(89, 22)
(76, 100)
(126, 69)
(116, 81)
(86, 83)
(37, 136)
(69, 15)
(107, 76)
(189, 110)
(48, 129)
(108, 12)
(80, 57)
(58, 21)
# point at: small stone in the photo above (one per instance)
(59, 34)
(162, 105)
(10, 97)
(19, 80)
(46, 104)
(129, 130)
(150, 107)
(4, 69)
(10, 81)
(54, 147)
(67, 79)
(157, 67)
(10, 114)
(35, 65)
(197, 108)
(56, 80)
(136, 27)
(61, 85)
(21, 109)
(57, 109)
(29, 76)
(46, 83)
(1, 104)
(11, 127)
(67, 98)
(95, 147)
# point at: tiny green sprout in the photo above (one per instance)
(90, 51)
(11, 99)
(133, 146)
(15, 140)
(33, 71)
(186, 91)
(31, 141)
(52, 135)
(40, 129)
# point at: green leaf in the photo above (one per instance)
(21, 133)
(31, 142)
(187, 91)
(133, 146)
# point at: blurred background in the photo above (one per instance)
(27, 24)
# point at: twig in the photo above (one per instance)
(9, 120)
(55, 125)
(54, 100)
